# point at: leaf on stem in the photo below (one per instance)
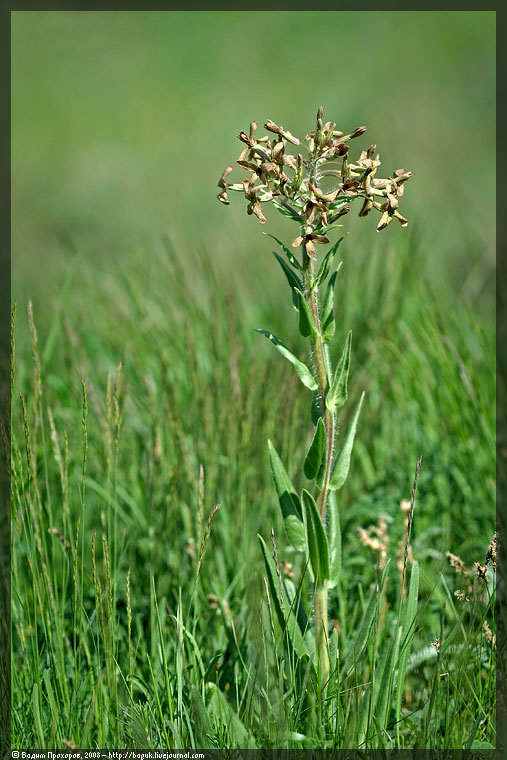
(295, 263)
(316, 451)
(294, 281)
(334, 541)
(337, 395)
(326, 263)
(289, 501)
(342, 463)
(316, 539)
(302, 370)
(327, 319)
(284, 612)
(408, 634)
(306, 323)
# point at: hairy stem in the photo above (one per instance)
(321, 363)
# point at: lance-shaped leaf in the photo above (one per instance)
(334, 541)
(326, 263)
(293, 279)
(316, 540)
(283, 608)
(342, 462)
(316, 451)
(295, 263)
(327, 319)
(286, 212)
(302, 370)
(289, 501)
(306, 323)
(337, 394)
(408, 633)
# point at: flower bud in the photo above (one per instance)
(357, 132)
(245, 138)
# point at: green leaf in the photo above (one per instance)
(315, 452)
(285, 211)
(295, 263)
(326, 263)
(337, 394)
(302, 370)
(306, 323)
(316, 539)
(285, 614)
(296, 603)
(342, 463)
(315, 411)
(362, 634)
(289, 501)
(223, 716)
(408, 632)
(294, 281)
(334, 540)
(327, 319)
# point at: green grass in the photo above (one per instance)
(108, 484)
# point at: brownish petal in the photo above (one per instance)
(385, 220)
(401, 219)
(310, 247)
(245, 138)
(257, 210)
(297, 242)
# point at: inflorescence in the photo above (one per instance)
(294, 183)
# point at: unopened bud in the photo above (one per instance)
(357, 132)
(245, 138)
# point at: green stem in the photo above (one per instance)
(322, 366)
(321, 362)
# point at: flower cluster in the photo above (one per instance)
(294, 183)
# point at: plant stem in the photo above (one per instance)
(321, 362)
(312, 299)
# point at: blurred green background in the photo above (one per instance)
(123, 121)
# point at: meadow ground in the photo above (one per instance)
(142, 396)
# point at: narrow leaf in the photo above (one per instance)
(316, 539)
(326, 263)
(289, 501)
(223, 717)
(337, 395)
(362, 634)
(315, 452)
(315, 410)
(306, 323)
(295, 263)
(408, 633)
(342, 464)
(294, 281)
(334, 540)
(327, 319)
(285, 614)
(302, 370)
(385, 686)
(286, 212)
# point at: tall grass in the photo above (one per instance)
(144, 402)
